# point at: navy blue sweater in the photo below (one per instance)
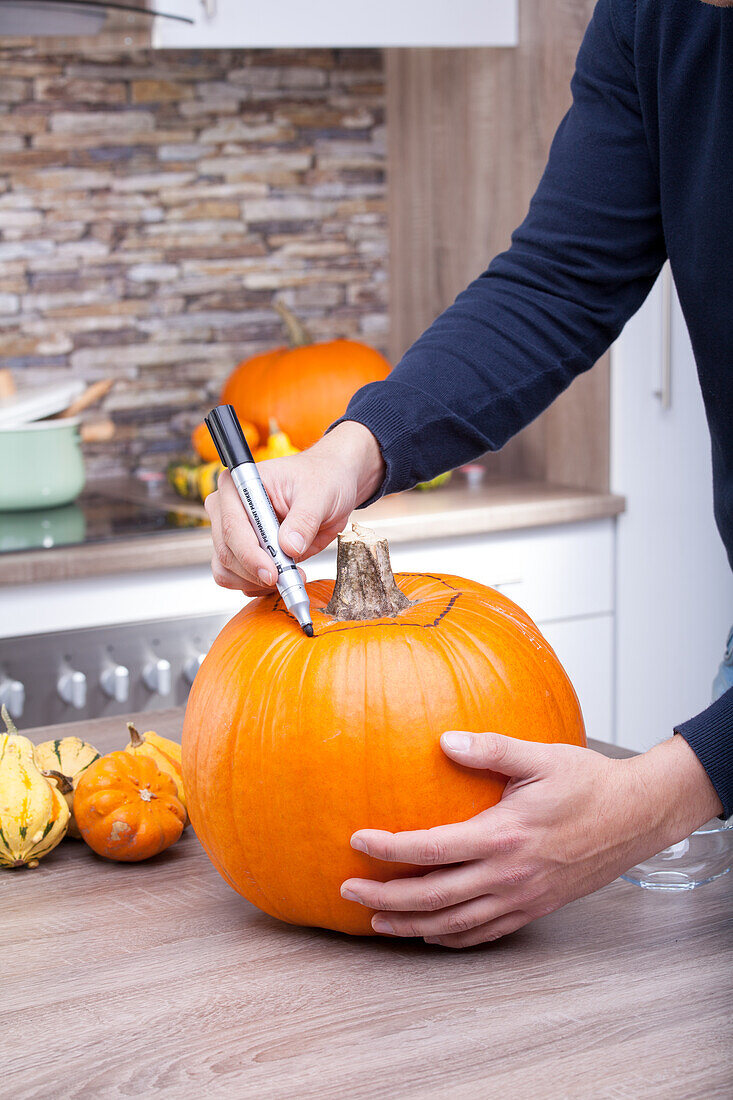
(641, 168)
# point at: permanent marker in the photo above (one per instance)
(234, 452)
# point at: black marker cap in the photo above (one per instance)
(228, 437)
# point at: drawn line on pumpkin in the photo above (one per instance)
(401, 623)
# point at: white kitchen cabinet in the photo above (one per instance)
(585, 647)
(231, 23)
(558, 572)
(70, 604)
(554, 573)
(674, 588)
(561, 575)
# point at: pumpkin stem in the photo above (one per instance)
(63, 782)
(136, 739)
(365, 586)
(9, 723)
(298, 334)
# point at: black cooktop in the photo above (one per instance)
(98, 515)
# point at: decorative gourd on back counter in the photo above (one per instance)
(279, 444)
(291, 744)
(196, 480)
(304, 387)
(33, 812)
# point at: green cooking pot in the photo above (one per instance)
(41, 465)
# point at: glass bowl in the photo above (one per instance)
(701, 858)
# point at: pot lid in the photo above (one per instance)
(33, 404)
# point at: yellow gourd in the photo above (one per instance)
(194, 480)
(208, 478)
(64, 761)
(166, 754)
(33, 813)
(278, 445)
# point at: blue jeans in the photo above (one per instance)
(724, 680)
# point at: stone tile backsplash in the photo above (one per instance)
(153, 205)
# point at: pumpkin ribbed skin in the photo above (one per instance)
(164, 753)
(291, 744)
(304, 388)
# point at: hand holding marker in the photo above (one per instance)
(234, 452)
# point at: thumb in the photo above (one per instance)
(299, 528)
(495, 752)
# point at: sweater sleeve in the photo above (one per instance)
(578, 267)
(710, 736)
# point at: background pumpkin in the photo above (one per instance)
(305, 387)
(291, 744)
(127, 809)
(203, 444)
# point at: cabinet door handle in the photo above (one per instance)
(664, 393)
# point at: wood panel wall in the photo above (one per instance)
(468, 137)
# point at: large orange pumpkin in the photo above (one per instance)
(305, 387)
(291, 744)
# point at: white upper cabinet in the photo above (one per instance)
(240, 23)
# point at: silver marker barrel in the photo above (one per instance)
(234, 452)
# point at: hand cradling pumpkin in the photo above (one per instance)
(292, 744)
(127, 809)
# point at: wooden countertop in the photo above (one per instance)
(497, 505)
(157, 980)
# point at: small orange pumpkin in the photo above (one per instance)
(164, 753)
(305, 387)
(203, 444)
(127, 809)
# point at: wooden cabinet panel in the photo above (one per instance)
(468, 135)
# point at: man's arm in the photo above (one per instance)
(579, 266)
